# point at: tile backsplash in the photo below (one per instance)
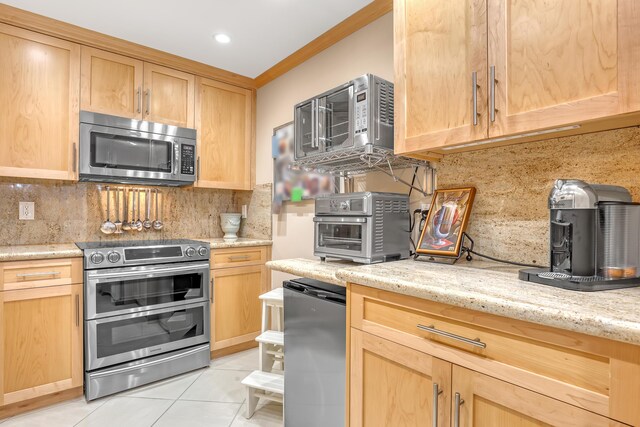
(73, 212)
(510, 218)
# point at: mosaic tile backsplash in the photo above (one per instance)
(73, 212)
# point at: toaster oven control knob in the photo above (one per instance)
(344, 206)
(96, 258)
(190, 252)
(113, 257)
(202, 251)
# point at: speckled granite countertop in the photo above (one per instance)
(70, 250)
(312, 268)
(490, 288)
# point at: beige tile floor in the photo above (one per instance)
(208, 397)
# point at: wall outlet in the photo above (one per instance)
(26, 210)
(244, 211)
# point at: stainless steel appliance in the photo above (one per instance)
(594, 239)
(362, 227)
(349, 117)
(128, 151)
(314, 350)
(146, 312)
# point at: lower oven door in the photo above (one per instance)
(341, 236)
(124, 338)
(115, 291)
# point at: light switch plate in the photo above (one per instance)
(27, 210)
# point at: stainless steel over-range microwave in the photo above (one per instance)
(128, 151)
(346, 118)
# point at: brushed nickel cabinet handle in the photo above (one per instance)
(139, 95)
(198, 168)
(147, 94)
(239, 257)
(456, 410)
(41, 274)
(475, 342)
(211, 290)
(474, 91)
(436, 394)
(77, 311)
(492, 93)
(74, 161)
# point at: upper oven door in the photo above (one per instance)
(133, 156)
(119, 291)
(341, 235)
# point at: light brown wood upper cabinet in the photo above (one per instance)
(440, 50)
(540, 65)
(111, 84)
(39, 100)
(224, 121)
(123, 86)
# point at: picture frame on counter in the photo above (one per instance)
(446, 222)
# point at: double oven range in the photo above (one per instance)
(146, 312)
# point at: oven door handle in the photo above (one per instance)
(341, 220)
(147, 273)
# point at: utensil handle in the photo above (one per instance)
(474, 342)
(108, 202)
(157, 202)
(117, 204)
(148, 197)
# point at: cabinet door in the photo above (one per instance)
(168, 96)
(488, 402)
(111, 84)
(39, 99)
(562, 62)
(393, 385)
(439, 48)
(224, 121)
(41, 339)
(236, 309)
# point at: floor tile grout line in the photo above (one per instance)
(237, 412)
(165, 411)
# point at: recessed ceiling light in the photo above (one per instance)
(222, 38)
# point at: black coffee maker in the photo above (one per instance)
(594, 241)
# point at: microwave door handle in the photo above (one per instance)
(174, 157)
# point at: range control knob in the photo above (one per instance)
(96, 258)
(190, 251)
(113, 257)
(202, 251)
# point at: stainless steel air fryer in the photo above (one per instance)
(594, 241)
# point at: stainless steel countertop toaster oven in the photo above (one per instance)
(362, 227)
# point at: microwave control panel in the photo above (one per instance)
(361, 112)
(187, 159)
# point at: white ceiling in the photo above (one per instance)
(263, 32)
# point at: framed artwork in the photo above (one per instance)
(446, 222)
(294, 185)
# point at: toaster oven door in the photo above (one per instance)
(341, 236)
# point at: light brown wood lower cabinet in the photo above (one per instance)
(236, 310)
(40, 342)
(505, 372)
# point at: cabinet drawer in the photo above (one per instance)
(235, 257)
(40, 273)
(562, 366)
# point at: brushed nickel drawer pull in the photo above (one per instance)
(456, 410)
(44, 273)
(476, 342)
(436, 394)
(239, 257)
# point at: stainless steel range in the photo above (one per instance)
(146, 312)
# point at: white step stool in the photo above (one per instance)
(264, 383)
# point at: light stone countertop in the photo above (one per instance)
(490, 288)
(70, 250)
(312, 269)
